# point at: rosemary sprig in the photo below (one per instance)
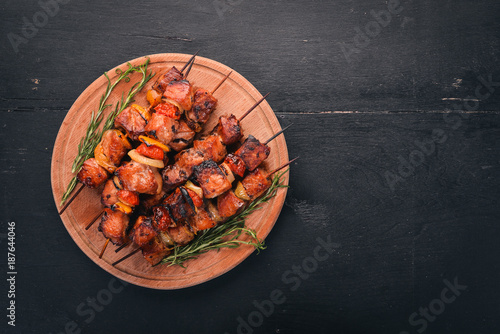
(226, 235)
(94, 134)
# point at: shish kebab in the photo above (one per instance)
(175, 222)
(252, 151)
(115, 152)
(158, 136)
(114, 229)
(144, 159)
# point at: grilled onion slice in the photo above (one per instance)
(143, 160)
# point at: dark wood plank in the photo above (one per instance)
(394, 248)
(427, 54)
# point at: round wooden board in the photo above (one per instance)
(235, 96)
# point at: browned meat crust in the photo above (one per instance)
(131, 121)
(229, 129)
(203, 106)
(113, 147)
(181, 234)
(92, 175)
(137, 177)
(171, 75)
(211, 147)
(162, 219)
(154, 251)
(211, 179)
(236, 164)
(253, 152)
(143, 231)
(180, 92)
(109, 196)
(162, 128)
(183, 136)
(114, 226)
(256, 183)
(228, 204)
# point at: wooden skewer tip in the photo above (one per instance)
(71, 200)
(189, 61)
(277, 134)
(125, 257)
(104, 248)
(94, 220)
(188, 70)
(122, 247)
(282, 166)
(253, 107)
(220, 83)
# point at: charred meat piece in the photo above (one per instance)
(228, 204)
(203, 106)
(162, 219)
(181, 234)
(114, 226)
(171, 75)
(109, 196)
(180, 209)
(149, 201)
(211, 147)
(92, 175)
(211, 179)
(131, 120)
(113, 147)
(229, 129)
(183, 136)
(253, 152)
(162, 128)
(178, 173)
(173, 176)
(236, 164)
(154, 251)
(188, 159)
(138, 177)
(255, 183)
(180, 92)
(202, 220)
(143, 231)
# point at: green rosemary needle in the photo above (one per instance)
(94, 133)
(226, 235)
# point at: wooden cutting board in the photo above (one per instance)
(235, 96)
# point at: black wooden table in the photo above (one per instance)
(391, 224)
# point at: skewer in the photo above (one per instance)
(93, 220)
(71, 199)
(282, 166)
(122, 246)
(220, 83)
(253, 107)
(104, 248)
(189, 61)
(188, 70)
(190, 64)
(269, 174)
(277, 134)
(100, 213)
(125, 257)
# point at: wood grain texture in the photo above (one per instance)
(236, 96)
(428, 53)
(351, 123)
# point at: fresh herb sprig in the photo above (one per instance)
(226, 235)
(94, 133)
